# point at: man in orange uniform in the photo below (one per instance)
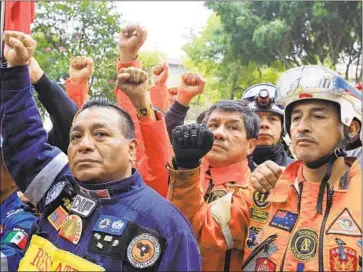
(311, 221)
(234, 127)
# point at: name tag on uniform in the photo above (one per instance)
(83, 206)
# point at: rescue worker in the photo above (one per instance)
(16, 220)
(224, 164)
(261, 98)
(97, 213)
(311, 221)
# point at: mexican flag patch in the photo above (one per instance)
(18, 237)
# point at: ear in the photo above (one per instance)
(132, 150)
(354, 129)
(251, 146)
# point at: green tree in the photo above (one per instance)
(67, 29)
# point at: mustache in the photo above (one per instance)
(303, 137)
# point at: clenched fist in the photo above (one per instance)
(160, 74)
(173, 92)
(133, 82)
(19, 48)
(80, 69)
(191, 85)
(132, 37)
(265, 176)
(190, 144)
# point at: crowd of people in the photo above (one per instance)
(268, 182)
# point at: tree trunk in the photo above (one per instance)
(358, 78)
(348, 66)
(234, 83)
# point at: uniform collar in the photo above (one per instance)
(113, 189)
(237, 172)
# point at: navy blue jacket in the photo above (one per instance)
(128, 219)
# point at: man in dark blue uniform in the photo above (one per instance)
(96, 212)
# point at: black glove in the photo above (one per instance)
(190, 144)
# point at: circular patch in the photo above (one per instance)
(54, 192)
(347, 224)
(71, 229)
(216, 194)
(303, 244)
(143, 251)
(259, 199)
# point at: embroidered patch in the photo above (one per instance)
(344, 224)
(54, 192)
(303, 244)
(343, 258)
(83, 206)
(143, 251)
(264, 264)
(58, 217)
(359, 242)
(110, 224)
(216, 194)
(12, 212)
(258, 215)
(100, 194)
(259, 199)
(253, 237)
(284, 220)
(71, 229)
(263, 250)
(17, 237)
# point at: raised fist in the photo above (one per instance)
(80, 69)
(191, 85)
(160, 74)
(132, 37)
(173, 92)
(19, 48)
(190, 144)
(265, 176)
(133, 82)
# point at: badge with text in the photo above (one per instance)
(143, 251)
(110, 224)
(54, 192)
(258, 215)
(71, 229)
(265, 264)
(343, 258)
(58, 217)
(259, 199)
(304, 243)
(83, 206)
(284, 220)
(345, 224)
(262, 252)
(253, 237)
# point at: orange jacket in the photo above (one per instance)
(77, 92)
(192, 190)
(159, 98)
(276, 235)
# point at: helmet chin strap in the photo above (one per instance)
(330, 159)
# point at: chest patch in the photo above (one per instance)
(54, 192)
(71, 229)
(110, 224)
(83, 206)
(304, 243)
(143, 251)
(58, 217)
(258, 215)
(343, 258)
(284, 220)
(265, 264)
(253, 237)
(259, 199)
(344, 224)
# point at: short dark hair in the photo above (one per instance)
(250, 118)
(127, 127)
(200, 117)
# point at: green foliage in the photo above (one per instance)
(71, 28)
(149, 59)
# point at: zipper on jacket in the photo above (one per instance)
(321, 236)
(297, 220)
(259, 248)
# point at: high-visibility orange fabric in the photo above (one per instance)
(188, 188)
(291, 249)
(19, 15)
(78, 92)
(159, 97)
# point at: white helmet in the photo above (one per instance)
(317, 82)
(261, 97)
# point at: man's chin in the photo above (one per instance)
(87, 177)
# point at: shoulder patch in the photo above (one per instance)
(110, 224)
(18, 237)
(143, 251)
(54, 192)
(344, 224)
